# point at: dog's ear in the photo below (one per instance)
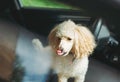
(52, 37)
(84, 42)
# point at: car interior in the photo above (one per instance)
(20, 23)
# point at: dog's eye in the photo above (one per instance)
(69, 39)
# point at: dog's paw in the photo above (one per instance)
(37, 44)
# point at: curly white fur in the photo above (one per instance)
(71, 46)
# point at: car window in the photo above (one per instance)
(54, 4)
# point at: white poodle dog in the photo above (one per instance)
(71, 45)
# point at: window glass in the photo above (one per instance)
(46, 4)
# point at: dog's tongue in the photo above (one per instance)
(59, 52)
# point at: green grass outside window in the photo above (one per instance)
(46, 4)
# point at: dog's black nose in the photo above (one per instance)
(60, 48)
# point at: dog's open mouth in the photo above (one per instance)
(60, 52)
